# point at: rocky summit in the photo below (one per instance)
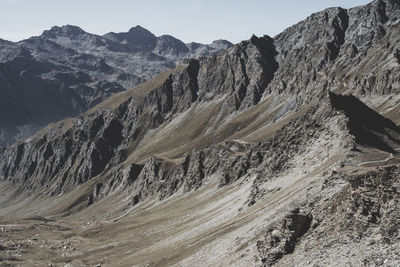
(66, 71)
(280, 151)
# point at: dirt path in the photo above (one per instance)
(376, 161)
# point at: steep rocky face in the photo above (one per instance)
(136, 39)
(103, 138)
(35, 93)
(9, 51)
(36, 102)
(335, 45)
(75, 38)
(244, 73)
(365, 124)
(89, 68)
(268, 143)
(168, 46)
(281, 239)
(201, 50)
(240, 77)
(341, 48)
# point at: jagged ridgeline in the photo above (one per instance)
(66, 71)
(261, 154)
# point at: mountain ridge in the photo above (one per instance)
(240, 91)
(259, 155)
(90, 67)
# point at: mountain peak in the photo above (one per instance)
(64, 30)
(138, 28)
(168, 45)
(222, 41)
(140, 32)
(221, 44)
(136, 38)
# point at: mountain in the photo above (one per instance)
(136, 39)
(277, 151)
(67, 71)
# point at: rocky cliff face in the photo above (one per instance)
(240, 77)
(341, 48)
(274, 126)
(80, 70)
(102, 138)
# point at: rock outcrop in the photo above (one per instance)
(241, 76)
(278, 128)
(67, 71)
(102, 138)
(282, 240)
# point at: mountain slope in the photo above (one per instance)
(83, 68)
(259, 155)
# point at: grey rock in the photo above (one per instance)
(244, 73)
(306, 82)
(89, 68)
(282, 238)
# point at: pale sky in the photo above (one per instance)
(189, 20)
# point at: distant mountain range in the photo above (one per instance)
(65, 71)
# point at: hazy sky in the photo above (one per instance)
(188, 20)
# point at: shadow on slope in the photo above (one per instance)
(368, 127)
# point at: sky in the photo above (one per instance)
(189, 20)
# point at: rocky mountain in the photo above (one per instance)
(65, 71)
(278, 151)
